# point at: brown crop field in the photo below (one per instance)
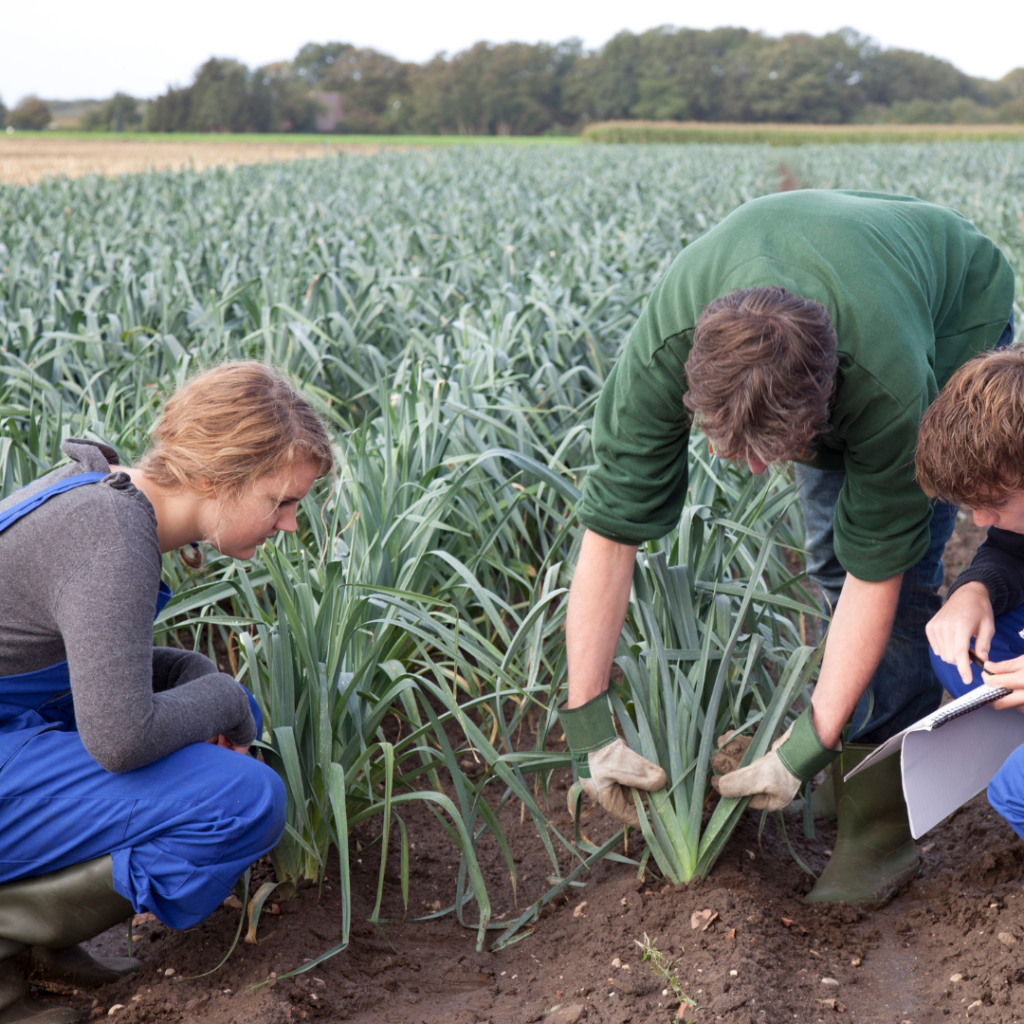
(27, 159)
(795, 134)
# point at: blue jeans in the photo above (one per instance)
(904, 688)
(1006, 790)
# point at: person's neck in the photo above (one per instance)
(177, 511)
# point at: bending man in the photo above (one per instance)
(814, 327)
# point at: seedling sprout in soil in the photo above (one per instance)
(665, 971)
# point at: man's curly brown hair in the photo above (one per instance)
(761, 374)
(970, 446)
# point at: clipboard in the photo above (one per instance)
(951, 755)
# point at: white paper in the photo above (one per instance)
(944, 765)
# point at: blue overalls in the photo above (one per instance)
(180, 831)
(1006, 790)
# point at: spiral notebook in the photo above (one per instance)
(951, 755)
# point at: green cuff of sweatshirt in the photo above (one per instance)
(588, 728)
(803, 754)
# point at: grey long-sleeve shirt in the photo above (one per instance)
(78, 582)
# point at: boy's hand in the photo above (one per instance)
(1008, 674)
(968, 613)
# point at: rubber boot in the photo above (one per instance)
(15, 1005)
(48, 915)
(875, 853)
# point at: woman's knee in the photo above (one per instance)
(225, 799)
(257, 798)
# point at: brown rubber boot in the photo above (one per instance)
(875, 854)
(52, 913)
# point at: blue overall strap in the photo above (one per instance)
(29, 504)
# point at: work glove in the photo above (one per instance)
(772, 781)
(731, 749)
(604, 765)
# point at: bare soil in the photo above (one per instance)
(28, 159)
(945, 948)
(767, 957)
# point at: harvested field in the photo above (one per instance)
(795, 134)
(25, 160)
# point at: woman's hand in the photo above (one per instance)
(968, 613)
(222, 741)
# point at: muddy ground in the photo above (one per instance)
(947, 948)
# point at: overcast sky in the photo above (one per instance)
(66, 49)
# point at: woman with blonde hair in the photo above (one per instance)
(121, 783)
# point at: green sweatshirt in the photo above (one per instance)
(914, 290)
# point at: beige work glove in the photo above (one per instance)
(772, 781)
(604, 765)
(731, 749)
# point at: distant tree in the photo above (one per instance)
(227, 97)
(168, 113)
(315, 61)
(507, 89)
(803, 78)
(119, 113)
(281, 104)
(373, 86)
(604, 86)
(3, 114)
(725, 74)
(901, 76)
(31, 114)
(1011, 107)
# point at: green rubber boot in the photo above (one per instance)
(875, 853)
(42, 919)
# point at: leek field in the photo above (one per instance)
(453, 313)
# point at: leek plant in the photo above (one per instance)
(453, 314)
(713, 642)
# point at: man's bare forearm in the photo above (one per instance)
(856, 641)
(597, 608)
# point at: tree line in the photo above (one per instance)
(725, 74)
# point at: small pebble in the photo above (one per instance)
(829, 981)
(114, 1009)
(170, 972)
(1007, 939)
(856, 961)
(734, 974)
(616, 962)
(136, 998)
(956, 977)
